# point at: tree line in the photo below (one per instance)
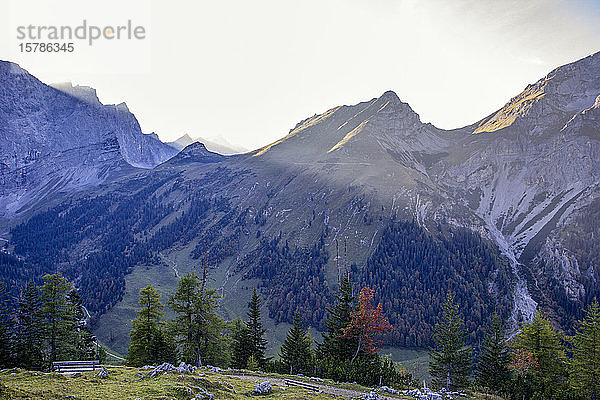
(198, 335)
(48, 324)
(410, 270)
(539, 362)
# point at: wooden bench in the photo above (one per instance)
(71, 367)
(304, 385)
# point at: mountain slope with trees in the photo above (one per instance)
(495, 208)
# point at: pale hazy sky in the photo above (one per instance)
(248, 71)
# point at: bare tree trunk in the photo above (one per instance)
(357, 350)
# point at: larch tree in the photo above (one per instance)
(585, 364)
(30, 338)
(548, 350)
(149, 343)
(197, 325)
(55, 313)
(184, 303)
(450, 363)
(367, 324)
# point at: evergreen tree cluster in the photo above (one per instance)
(118, 229)
(48, 324)
(198, 335)
(410, 270)
(344, 354)
(294, 279)
(540, 362)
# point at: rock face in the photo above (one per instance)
(530, 169)
(63, 140)
(138, 149)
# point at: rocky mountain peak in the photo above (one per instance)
(196, 153)
(391, 96)
(63, 139)
(391, 101)
(8, 68)
(554, 99)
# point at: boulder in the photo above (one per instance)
(184, 368)
(262, 388)
(161, 370)
(214, 370)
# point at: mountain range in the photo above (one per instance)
(220, 145)
(63, 139)
(504, 212)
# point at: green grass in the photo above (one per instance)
(112, 329)
(416, 361)
(131, 383)
(126, 383)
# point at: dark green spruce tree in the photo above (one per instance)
(334, 345)
(5, 329)
(494, 358)
(256, 332)
(585, 364)
(240, 344)
(296, 351)
(29, 341)
(450, 363)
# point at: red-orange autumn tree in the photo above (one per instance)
(367, 323)
(523, 362)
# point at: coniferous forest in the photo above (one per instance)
(120, 231)
(398, 297)
(50, 324)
